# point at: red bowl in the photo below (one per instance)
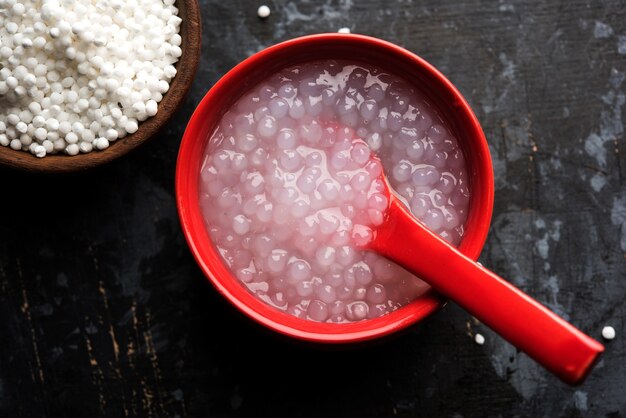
(253, 70)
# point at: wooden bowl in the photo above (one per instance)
(190, 31)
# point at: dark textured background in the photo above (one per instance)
(104, 312)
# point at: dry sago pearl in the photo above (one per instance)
(479, 339)
(344, 30)
(608, 332)
(75, 76)
(290, 190)
(263, 11)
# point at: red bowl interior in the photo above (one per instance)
(253, 70)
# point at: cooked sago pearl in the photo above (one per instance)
(78, 75)
(291, 192)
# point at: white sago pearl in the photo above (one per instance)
(263, 11)
(608, 332)
(479, 339)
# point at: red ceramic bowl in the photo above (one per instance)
(253, 70)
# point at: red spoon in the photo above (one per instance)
(524, 322)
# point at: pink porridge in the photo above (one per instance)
(290, 188)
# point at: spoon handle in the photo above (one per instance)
(528, 325)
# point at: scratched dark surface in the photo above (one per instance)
(103, 311)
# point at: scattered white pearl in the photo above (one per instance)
(608, 332)
(479, 339)
(344, 30)
(263, 11)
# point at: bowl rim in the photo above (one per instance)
(187, 173)
(191, 28)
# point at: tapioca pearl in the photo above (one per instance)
(376, 294)
(420, 205)
(300, 209)
(433, 219)
(306, 183)
(406, 136)
(446, 184)
(241, 225)
(425, 176)
(248, 103)
(376, 92)
(264, 212)
(350, 119)
(287, 91)
(368, 110)
(376, 311)
(230, 241)
(304, 289)
(307, 245)
(340, 238)
(343, 292)
(276, 261)
(260, 112)
(242, 258)
(313, 159)
(221, 160)
(439, 160)
(361, 181)
(333, 278)
(239, 163)
(394, 121)
(288, 195)
(279, 300)
(308, 227)
(356, 311)
(361, 235)
(246, 143)
(297, 311)
(263, 245)
(328, 223)
(405, 190)
(437, 133)
(337, 307)
(376, 217)
(215, 187)
(438, 198)
(360, 201)
(360, 153)
(317, 201)
(379, 125)
(266, 92)
(298, 270)
(325, 256)
(246, 275)
(244, 124)
(297, 110)
(328, 189)
(281, 214)
(378, 201)
(317, 311)
(422, 122)
(330, 97)
(278, 107)
(401, 104)
(291, 160)
(309, 87)
(258, 157)
(451, 218)
(346, 105)
(402, 171)
(313, 105)
(254, 184)
(311, 133)
(448, 145)
(374, 168)
(267, 127)
(460, 197)
(227, 199)
(362, 273)
(326, 293)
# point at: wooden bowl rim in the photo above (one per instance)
(191, 32)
